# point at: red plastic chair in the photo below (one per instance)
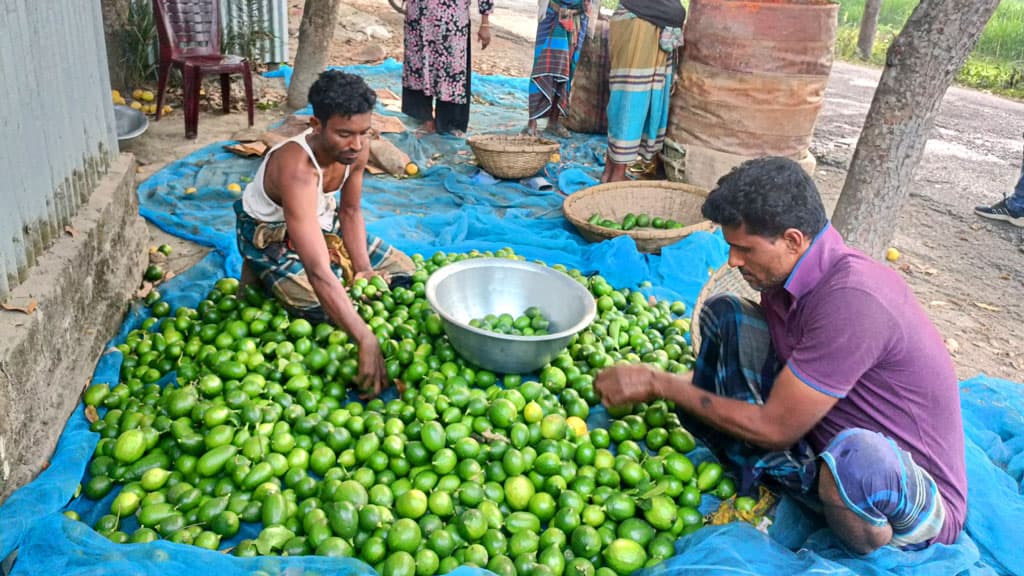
(189, 32)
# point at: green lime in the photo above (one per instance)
(404, 535)
(412, 504)
(625, 556)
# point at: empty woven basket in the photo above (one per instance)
(668, 200)
(725, 280)
(511, 157)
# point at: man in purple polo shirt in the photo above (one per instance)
(836, 386)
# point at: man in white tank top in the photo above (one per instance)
(298, 240)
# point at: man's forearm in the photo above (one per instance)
(353, 234)
(737, 418)
(338, 307)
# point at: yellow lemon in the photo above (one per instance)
(167, 109)
(136, 106)
(137, 93)
(533, 412)
(411, 169)
(190, 190)
(233, 187)
(892, 254)
(115, 95)
(556, 158)
(148, 96)
(579, 427)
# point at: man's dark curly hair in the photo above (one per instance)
(337, 93)
(769, 195)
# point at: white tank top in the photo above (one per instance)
(257, 204)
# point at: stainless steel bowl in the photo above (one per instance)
(130, 122)
(476, 287)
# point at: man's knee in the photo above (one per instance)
(857, 533)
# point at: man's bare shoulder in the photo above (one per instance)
(289, 171)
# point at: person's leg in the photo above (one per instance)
(874, 494)
(736, 360)
(395, 265)
(1015, 202)
(452, 117)
(417, 104)
(541, 88)
(634, 51)
(1010, 208)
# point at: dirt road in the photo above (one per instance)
(969, 273)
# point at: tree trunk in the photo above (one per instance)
(315, 34)
(868, 27)
(115, 17)
(920, 65)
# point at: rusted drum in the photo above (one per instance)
(751, 83)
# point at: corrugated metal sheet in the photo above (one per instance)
(57, 132)
(270, 16)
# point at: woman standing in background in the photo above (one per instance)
(438, 67)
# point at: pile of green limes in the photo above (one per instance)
(633, 221)
(255, 434)
(531, 322)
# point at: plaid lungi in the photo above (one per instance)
(559, 42)
(736, 360)
(265, 248)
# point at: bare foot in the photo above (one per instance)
(554, 127)
(615, 172)
(531, 128)
(428, 127)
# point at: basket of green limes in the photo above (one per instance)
(654, 213)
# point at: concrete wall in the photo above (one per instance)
(56, 122)
(81, 286)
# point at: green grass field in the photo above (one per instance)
(997, 63)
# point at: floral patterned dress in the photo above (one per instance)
(437, 47)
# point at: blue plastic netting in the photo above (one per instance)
(454, 208)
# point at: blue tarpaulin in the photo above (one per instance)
(454, 208)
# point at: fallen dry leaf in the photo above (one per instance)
(489, 436)
(988, 307)
(71, 230)
(938, 303)
(144, 291)
(953, 346)
(168, 276)
(29, 309)
(91, 415)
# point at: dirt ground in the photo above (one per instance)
(969, 273)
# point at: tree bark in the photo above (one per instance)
(115, 17)
(315, 34)
(920, 65)
(868, 27)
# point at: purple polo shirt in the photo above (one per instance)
(850, 327)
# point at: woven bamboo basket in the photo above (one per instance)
(669, 200)
(511, 157)
(725, 280)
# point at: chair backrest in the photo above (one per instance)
(187, 27)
